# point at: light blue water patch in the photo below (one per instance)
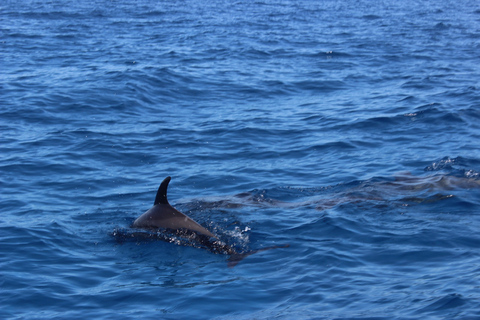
(347, 130)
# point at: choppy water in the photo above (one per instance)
(346, 129)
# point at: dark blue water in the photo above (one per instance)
(347, 129)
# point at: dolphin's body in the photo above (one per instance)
(163, 215)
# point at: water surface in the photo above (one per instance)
(348, 130)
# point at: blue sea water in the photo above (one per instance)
(347, 129)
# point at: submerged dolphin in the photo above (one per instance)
(163, 215)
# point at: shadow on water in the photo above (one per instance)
(402, 189)
(189, 239)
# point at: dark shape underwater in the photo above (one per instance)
(162, 217)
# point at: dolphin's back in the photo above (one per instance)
(163, 215)
(167, 217)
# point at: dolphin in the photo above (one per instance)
(163, 216)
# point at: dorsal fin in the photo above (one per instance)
(162, 192)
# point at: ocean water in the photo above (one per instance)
(348, 130)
